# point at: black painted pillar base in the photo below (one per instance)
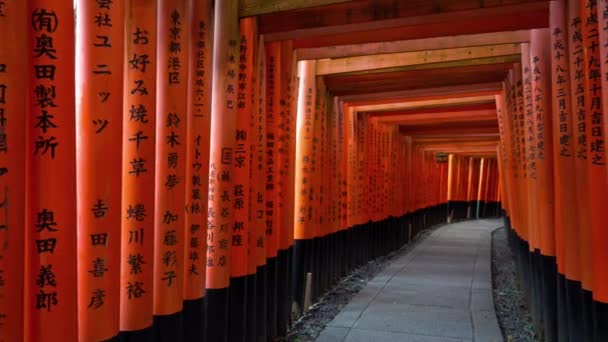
(251, 325)
(261, 304)
(237, 329)
(283, 273)
(194, 313)
(575, 309)
(137, 335)
(562, 309)
(168, 327)
(216, 307)
(549, 296)
(271, 298)
(600, 311)
(587, 300)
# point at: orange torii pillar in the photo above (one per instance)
(600, 256)
(13, 65)
(138, 160)
(566, 213)
(540, 57)
(272, 212)
(197, 166)
(239, 242)
(595, 131)
(170, 182)
(258, 189)
(532, 187)
(304, 186)
(223, 123)
(100, 45)
(50, 238)
(286, 176)
(579, 100)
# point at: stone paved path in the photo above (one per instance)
(440, 291)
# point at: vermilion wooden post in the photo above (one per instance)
(197, 165)
(303, 225)
(286, 184)
(13, 84)
(540, 54)
(138, 160)
(595, 131)
(169, 200)
(224, 103)
(579, 100)
(601, 294)
(99, 131)
(258, 203)
(50, 219)
(566, 213)
(241, 189)
(272, 212)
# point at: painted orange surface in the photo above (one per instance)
(222, 141)
(99, 70)
(50, 256)
(138, 160)
(197, 148)
(13, 28)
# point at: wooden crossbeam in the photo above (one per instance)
(391, 60)
(417, 21)
(248, 8)
(424, 103)
(424, 94)
(470, 40)
(439, 118)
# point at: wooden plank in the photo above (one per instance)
(248, 8)
(441, 65)
(424, 103)
(471, 40)
(425, 94)
(391, 60)
(418, 20)
(441, 117)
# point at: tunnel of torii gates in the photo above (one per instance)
(174, 169)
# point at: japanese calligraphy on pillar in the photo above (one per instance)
(197, 164)
(138, 160)
(577, 63)
(13, 28)
(531, 146)
(272, 145)
(100, 79)
(258, 146)
(171, 122)
(304, 182)
(50, 274)
(561, 102)
(242, 164)
(593, 85)
(221, 161)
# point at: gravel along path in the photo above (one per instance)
(509, 301)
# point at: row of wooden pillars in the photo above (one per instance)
(166, 175)
(553, 162)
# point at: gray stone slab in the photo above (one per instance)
(416, 319)
(333, 334)
(357, 335)
(440, 291)
(440, 296)
(482, 300)
(486, 326)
